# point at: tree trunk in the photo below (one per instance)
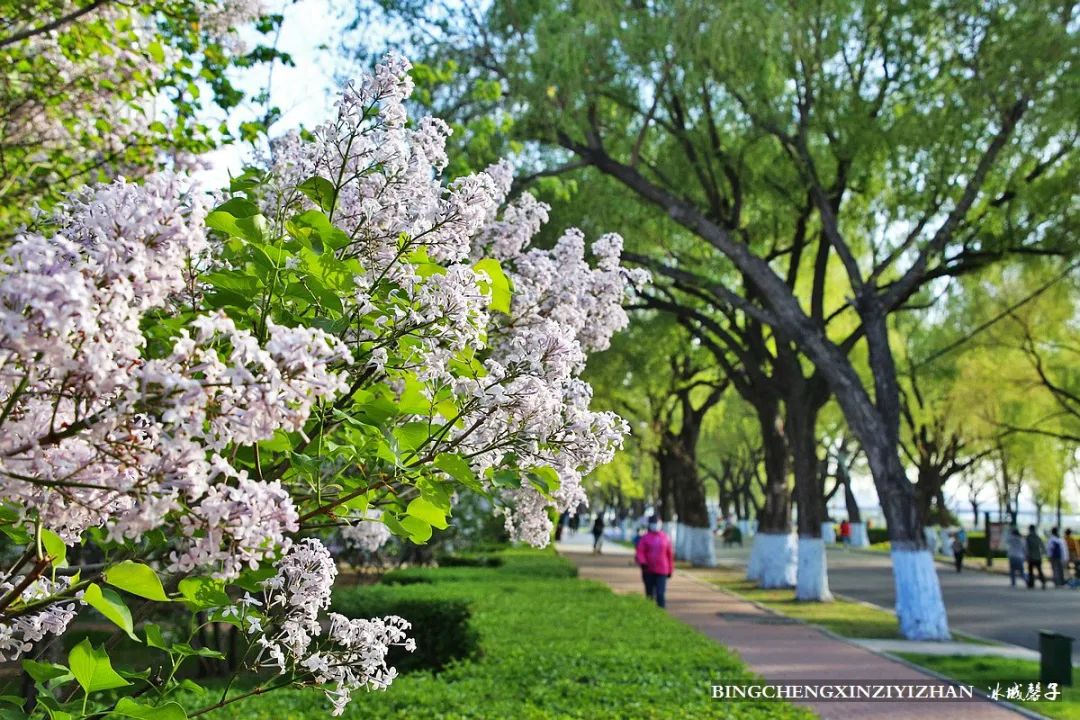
(773, 553)
(812, 575)
(694, 539)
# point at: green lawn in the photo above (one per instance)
(849, 619)
(986, 672)
(553, 646)
(844, 617)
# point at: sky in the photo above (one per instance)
(304, 93)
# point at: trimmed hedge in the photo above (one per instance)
(877, 535)
(469, 560)
(511, 563)
(439, 625)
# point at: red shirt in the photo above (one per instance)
(654, 553)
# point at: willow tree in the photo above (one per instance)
(666, 386)
(926, 136)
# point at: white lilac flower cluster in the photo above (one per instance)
(18, 634)
(341, 656)
(367, 535)
(114, 83)
(94, 434)
(529, 400)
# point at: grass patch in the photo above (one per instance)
(843, 617)
(986, 672)
(553, 646)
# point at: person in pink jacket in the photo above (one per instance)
(657, 560)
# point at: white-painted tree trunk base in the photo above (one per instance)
(919, 605)
(753, 565)
(773, 560)
(679, 542)
(812, 581)
(744, 528)
(828, 533)
(859, 536)
(699, 546)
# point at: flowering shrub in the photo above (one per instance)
(196, 392)
(96, 88)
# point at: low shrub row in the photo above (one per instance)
(440, 625)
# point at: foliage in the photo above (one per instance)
(593, 654)
(191, 393)
(94, 89)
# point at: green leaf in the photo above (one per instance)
(457, 468)
(506, 478)
(43, 672)
(545, 478)
(154, 638)
(418, 530)
(55, 547)
(239, 218)
(188, 650)
(137, 579)
(412, 435)
(202, 593)
(428, 512)
(127, 707)
(499, 285)
(111, 605)
(320, 226)
(321, 191)
(93, 669)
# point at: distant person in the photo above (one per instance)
(1035, 548)
(657, 560)
(732, 536)
(1058, 553)
(1073, 547)
(958, 550)
(1016, 550)
(845, 532)
(575, 523)
(598, 534)
(564, 518)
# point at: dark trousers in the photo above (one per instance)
(1034, 565)
(958, 558)
(1016, 570)
(1057, 569)
(655, 586)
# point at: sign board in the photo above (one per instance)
(995, 535)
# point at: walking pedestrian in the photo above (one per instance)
(1058, 553)
(1017, 552)
(958, 550)
(1073, 547)
(1035, 550)
(657, 560)
(598, 533)
(575, 523)
(845, 532)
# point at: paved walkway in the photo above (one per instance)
(776, 648)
